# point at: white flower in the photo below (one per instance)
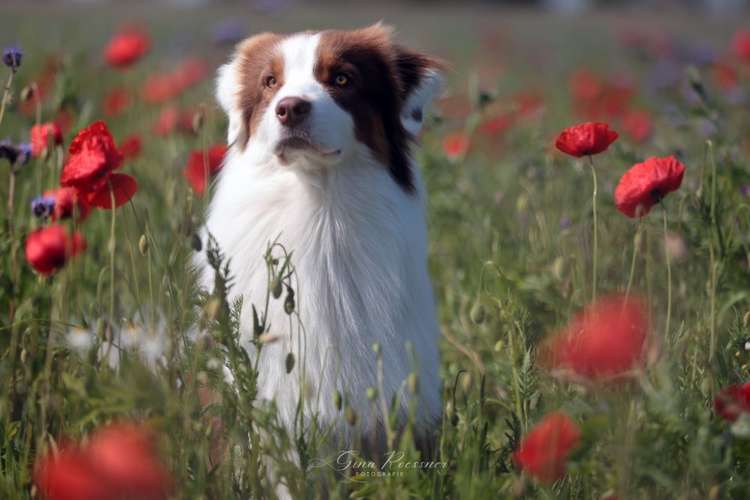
(79, 340)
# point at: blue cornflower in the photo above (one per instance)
(43, 206)
(12, 57)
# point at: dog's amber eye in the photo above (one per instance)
(341, 80)
(269, 81)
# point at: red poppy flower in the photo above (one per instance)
(48, 249)
(130, 147)
(585, 139)
(645, 184)
(606, 340)
(528, 103)
(741, 45)
(732, 401)
(116, 101)
(637, 124)
(200, 162)
(68, 201)
(93, 157)
(118, 462)
(126, 47)
(43, 135)
(456, 145)
(544, 450)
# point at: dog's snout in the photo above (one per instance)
(291, 111)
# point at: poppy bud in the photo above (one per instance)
(289, 362)
(477, 313)
(376, 348)
(372, 393)
(257, 327)
(197, 122)
(289, 302)
(276, 287)
(143, 245)
(337, 400)
(350, 415)
(27, 93)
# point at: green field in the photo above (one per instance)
(511, 257)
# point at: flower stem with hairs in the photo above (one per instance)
(596, 237)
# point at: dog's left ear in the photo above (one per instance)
(421, 82)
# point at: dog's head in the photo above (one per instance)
(318, 98)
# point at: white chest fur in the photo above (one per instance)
(359, 247)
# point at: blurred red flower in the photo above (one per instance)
(127, 46)
(44, 82)
(455, 145)
(727, 78)
(604, 341)
(586, 85)
(162, 87)
(93, 157)
(116, 101)
(544, 450)
(48, 249)
(646, 184)
(498, 125)
(167, 121)
(68, 201)
(637, 124)
(43, 135)
(732, 401)
(585, 139)
(130, 147)
(741, 44)
(201, 163)
(118, 462)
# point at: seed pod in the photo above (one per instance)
(197, 122)
(376, 348)
(143, 245)
(289, 362)
(337, 400)
(372, 393)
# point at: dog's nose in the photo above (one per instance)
(291, 111)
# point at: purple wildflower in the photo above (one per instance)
(12, 57)
(43, 206)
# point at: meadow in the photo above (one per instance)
(110, 356)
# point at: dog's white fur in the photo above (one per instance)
(360, 251)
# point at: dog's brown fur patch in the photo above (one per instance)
(258, 60)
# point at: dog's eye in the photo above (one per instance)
(341, 80)
(269, 81)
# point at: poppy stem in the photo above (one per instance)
(596, 237)
(6, 95)
(111, 259)
(669, 272)
(636, 244)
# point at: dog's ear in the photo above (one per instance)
(227, 94)
(237, 83)
(421, 82)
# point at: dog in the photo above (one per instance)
(321, 130)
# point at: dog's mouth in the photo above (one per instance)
(301, 144)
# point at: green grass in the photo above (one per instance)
(510, 233)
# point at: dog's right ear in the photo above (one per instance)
(227, 93)
(237, 84)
